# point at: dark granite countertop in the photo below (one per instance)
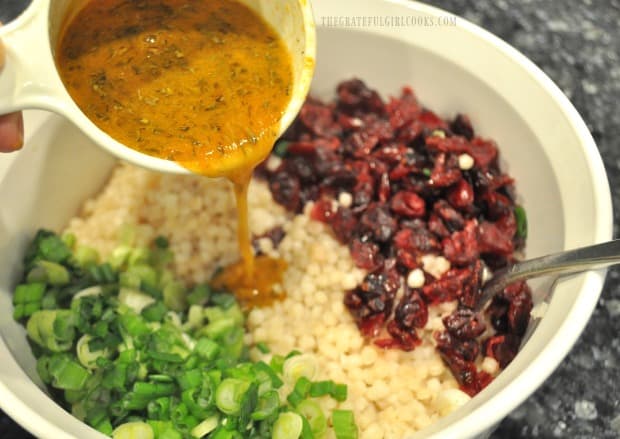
(577, 44)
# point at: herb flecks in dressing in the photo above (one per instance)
(202, 83)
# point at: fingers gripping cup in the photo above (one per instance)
(31, 79)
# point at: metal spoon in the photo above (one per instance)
(566, 262)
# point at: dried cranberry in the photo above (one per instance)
(355, 95)
(436, 225)
(445, 173)
(410, 199)
(520, 298)
(454, 144)
(408, 204)
(323, 210)
(461, 195)
(384, 190)
(411, 132)
(371, 325)
(343, 224)
(302, 168)
(457, 283)
(483, 151)
(459, 355)
(404, 109)
(399, 172)
(496, 205)
(406, 259)
(378, 221)
(350, 123)
(431, 121)
(464, 324)
(385, 283)
(365, 255)
(391, 153)
(407, 338)
(361, 143)
(285, 189)
(319, 119)
(471, 292)
(493, 238)
(451, 218)
(462, 125)
(415, 242)
(503, 348)
(412, 311)
(461, 248)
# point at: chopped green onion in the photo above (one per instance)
(119, 256)
(69, 239)
(47, 246)
(133, 430)
(88, 292)
(134, 299)
(277, 363)
(144, 273)
(164, 430)
(139, 256)
(263, 347)
(521, 218)
(205, 427)
(427, 172)
(299, 366)
(161, 242)
(174, 296)
(287, 426)
(49, 272)
(207, 348)
(339, 392)
(311, 411)
(85, 256)
(302, 386)
(87, 357)
(281, 147)
(321, 388)
(268, 404)
(41, 329)
(261, 366)
(154, 312)
(126, 363)
(344, 424)
(27, 299)
(229, 394)
(223, 300)
(199, 295)
(294, 398)
(66, 374)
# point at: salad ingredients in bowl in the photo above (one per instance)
(389, 219)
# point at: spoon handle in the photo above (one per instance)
(567, 262)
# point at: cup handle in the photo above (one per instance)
(29, 78)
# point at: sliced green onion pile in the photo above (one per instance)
(129, 350)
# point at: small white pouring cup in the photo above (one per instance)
(30, 79)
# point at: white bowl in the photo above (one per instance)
(543, 141)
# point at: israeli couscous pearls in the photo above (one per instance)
(392, 392)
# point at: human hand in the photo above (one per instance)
(11, 125)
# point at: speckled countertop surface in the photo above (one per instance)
(577, 44)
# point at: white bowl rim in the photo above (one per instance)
(530, 378)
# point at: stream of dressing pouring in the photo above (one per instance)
(30, 79)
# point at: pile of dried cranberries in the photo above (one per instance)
(424, 208)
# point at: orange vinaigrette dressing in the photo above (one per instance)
(202, 83)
